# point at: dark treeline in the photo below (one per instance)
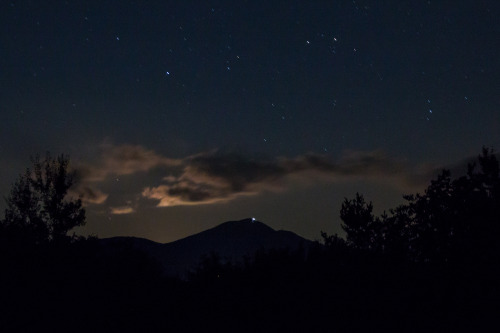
(429, 265)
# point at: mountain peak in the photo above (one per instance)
(245, 224)
(247, 220)
(232, 240)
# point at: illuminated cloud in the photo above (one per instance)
(215, 177)
(121, 210)
(168, 196)
(116, 161)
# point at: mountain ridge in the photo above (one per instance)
(232, 241)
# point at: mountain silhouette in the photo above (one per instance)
(231, 241)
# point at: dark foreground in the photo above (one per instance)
(78, 287)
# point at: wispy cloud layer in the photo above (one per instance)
(125, 160)
(215, 177)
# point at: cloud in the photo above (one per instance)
(124, 160)
(90, 196)
(215, 177)
(121, 210)
(116, 161)
(133, 173)
(176, 195)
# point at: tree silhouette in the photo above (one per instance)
(454, 219)
(359, 222)
(38, 207)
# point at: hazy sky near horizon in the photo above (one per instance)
(180, 115)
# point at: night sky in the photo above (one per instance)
(180, 115)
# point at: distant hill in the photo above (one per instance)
(230, 240)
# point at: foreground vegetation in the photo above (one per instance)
(428, 265)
